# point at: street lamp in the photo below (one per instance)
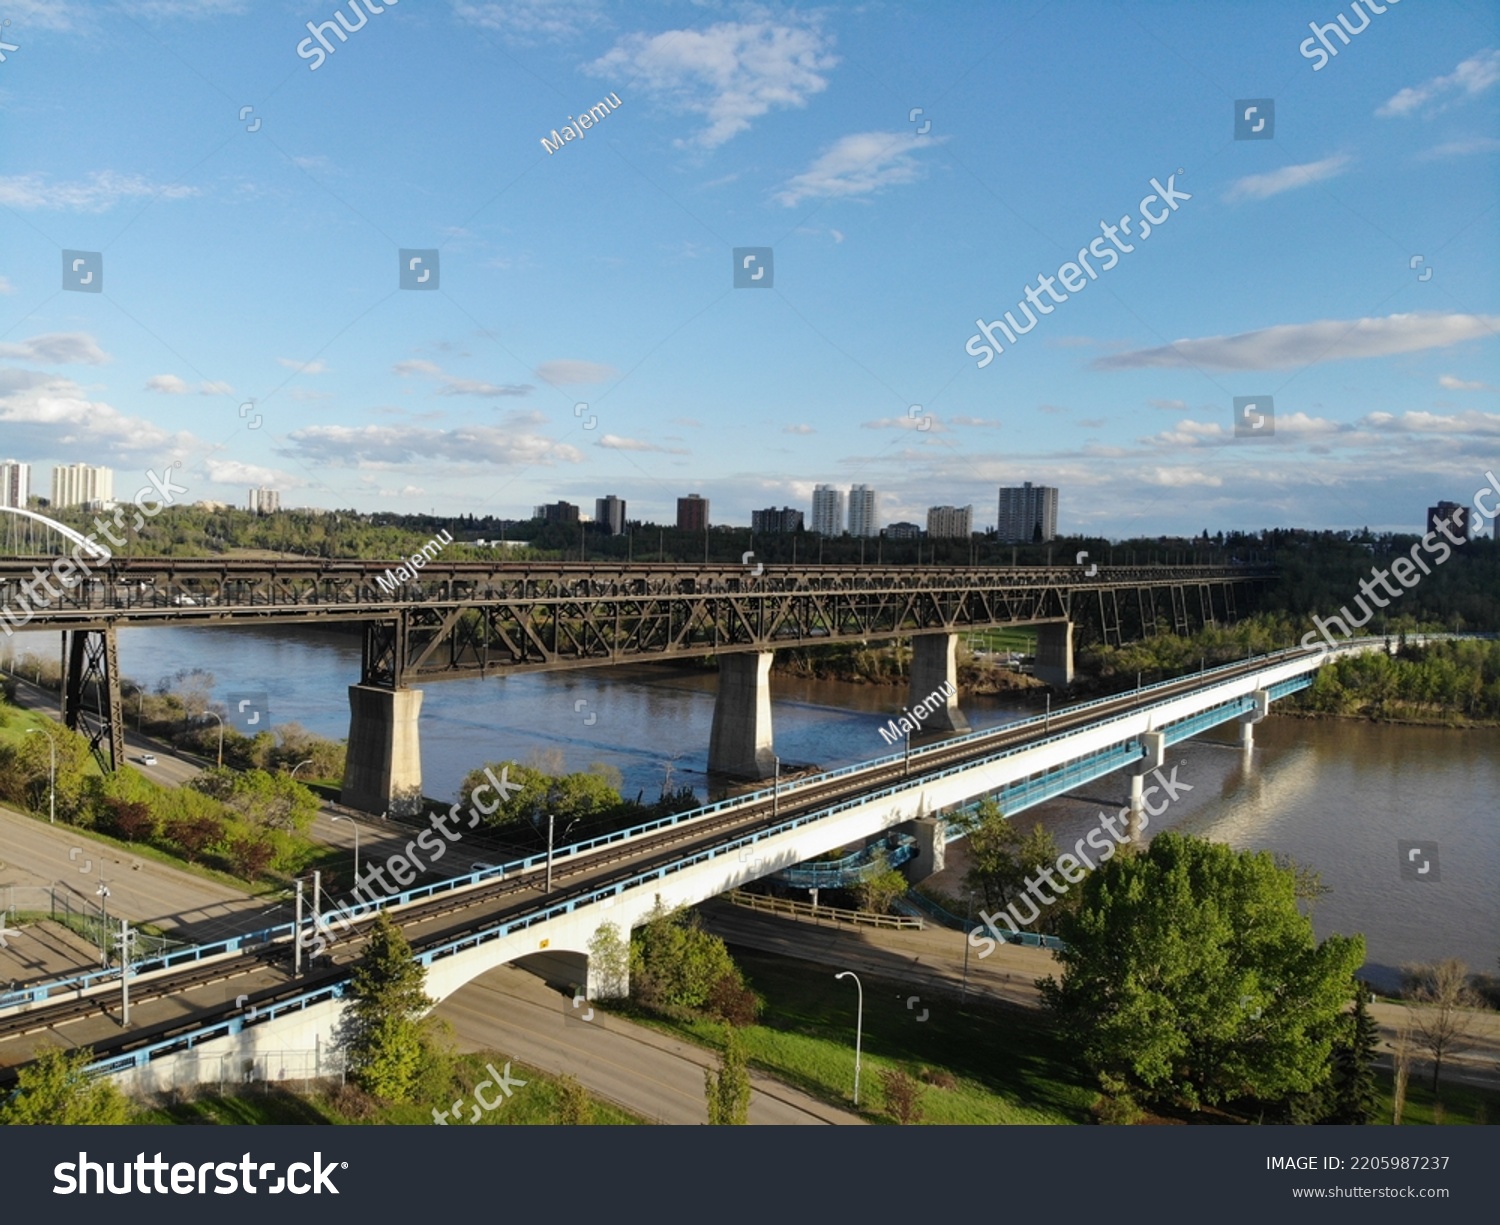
(551, 817)
(299, 766)
(52, 783)
(859, 1024)
(102, 893)
(355, 824)
(210, 714)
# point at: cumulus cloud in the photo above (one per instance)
(730, 73)
(99, 193)
(613, 442)
(568, 373)
(171, 385)
(58, 349)
(233, 472)
(1299, 344)
(1470, 421)
(55, 411)
(798, 429)
(1274, 182)
(858, 165)
(387, 445)
(1471, 78)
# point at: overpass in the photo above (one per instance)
(461, 928)
(457, 620)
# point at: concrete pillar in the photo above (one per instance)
(383, 767)
(930, 833)
(934, 664)
(1137, 789)
(739, 743)
(1247, 733)
(1250, 718)
(1155, 746)
(1054, 653)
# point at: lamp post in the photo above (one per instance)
(355, 824)
(210, 714)
(102, 893)
(859, 1024)
(52, 776)
(964, 990)
(299, 766)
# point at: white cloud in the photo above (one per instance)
(166, 385)
(6, 287)
(316, 366)
(1176, 406)
(1449, 383)
(1299, 344)
(857, 165)
(730, 73)
(452, 385)
(387, 445)
(1471, 78)
(233, 472)
(1470, 422)
(613, 442)
(1273, 183)
(1461, 148)
(798, 429)
(568, 373)
(933, 424)
(58, 349)
(56, 412)
(527, 21)
(976, 422)
(103, 190)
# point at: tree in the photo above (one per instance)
(609, 959)
(131, 819)
(1443, 1018)
(382, 1031)
(55, 1089)
(195, 834)
(903, 1095)
(728, 1092)
(251, 854)
(1189, 975)
(674, 963)
(1353, 1090)
(878, 891)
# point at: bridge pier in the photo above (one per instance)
(1054, 653)
(1250, 718)
(932, 847)
(383, 766)
(934, 667)
(739, 743)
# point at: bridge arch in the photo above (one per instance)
(76, 538)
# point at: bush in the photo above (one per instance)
(733, 1002)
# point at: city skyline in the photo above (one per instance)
(897, 220)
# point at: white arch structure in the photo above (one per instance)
(77, 538)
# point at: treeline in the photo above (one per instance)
(1442, 681)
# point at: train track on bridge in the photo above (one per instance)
(515, 896)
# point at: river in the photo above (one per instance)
(1335, 795)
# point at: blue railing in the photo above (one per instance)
(890, 852)
(927, 908)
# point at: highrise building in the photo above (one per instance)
(692, 513)
(864, 516)
(903, 530)
(1027, 513)
(828, 511)
(263, 501)
(1456, 515)
(15, 483)
(610, 512)
(82, 485)
(950, 521)
(557, 512)
(773, 522)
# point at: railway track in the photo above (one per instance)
(515, 896)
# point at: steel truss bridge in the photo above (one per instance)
(455, 620)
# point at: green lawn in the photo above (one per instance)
(536, 1103)
(1461, 1104)
(1001, 639)
(1005, 1067)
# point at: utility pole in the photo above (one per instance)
(124, 949)
(297, 935)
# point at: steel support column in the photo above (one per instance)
(90, 657)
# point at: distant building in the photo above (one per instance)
(828, 511)
(557, 512)
(15, 483)
(82, 485)
(1456, 516)
(610, 512)
(950, 521)
(773, 522)
(903, 531)
(1025, 510)
(864, 515)
(692, 513)
(263, 501)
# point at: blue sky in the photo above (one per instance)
(262, 264)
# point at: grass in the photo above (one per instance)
(536, 1103)
(1460, 1104)
(1004, 1066)
(1002, 639)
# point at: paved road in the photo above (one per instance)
(656, 1076)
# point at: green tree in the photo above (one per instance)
(609, 959)
(1353, 1097)
(1189, 975)
(879, 891)
(55, 1089)
(674, 963)
(728, 1091)
(383, 1034)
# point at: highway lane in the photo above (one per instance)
(652, 1074)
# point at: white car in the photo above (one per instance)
(147, 759)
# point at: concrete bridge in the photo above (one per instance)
(463, 927)
(454, 620)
